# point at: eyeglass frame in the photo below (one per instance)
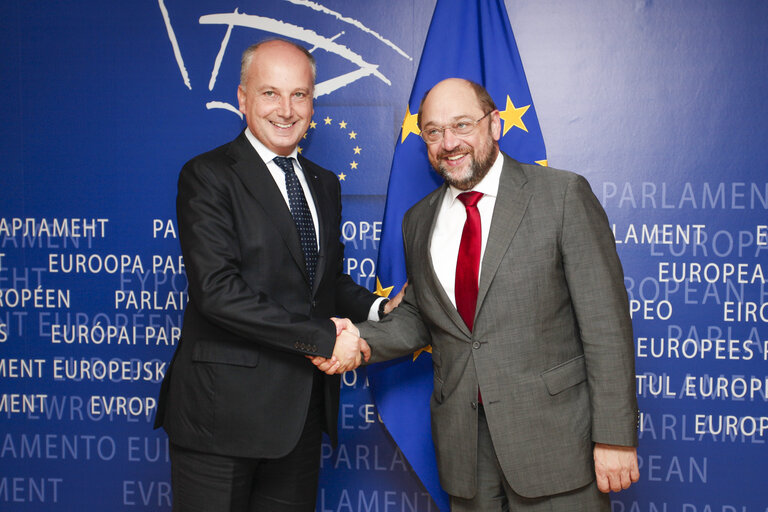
(451, 126)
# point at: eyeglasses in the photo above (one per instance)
(434, 134)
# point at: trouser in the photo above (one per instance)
(495, 495)
(205, 482)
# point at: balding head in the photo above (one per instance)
(459, 86)
(247, 57)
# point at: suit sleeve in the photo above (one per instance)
(596, 284)
(401, 332)
(211, 253)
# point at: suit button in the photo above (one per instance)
(474, 405)
(476, 345)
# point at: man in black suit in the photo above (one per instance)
(259, 228)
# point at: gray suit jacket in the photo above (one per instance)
(552, 346)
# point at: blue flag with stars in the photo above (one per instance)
(471, 40)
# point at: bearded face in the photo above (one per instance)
(465, 165)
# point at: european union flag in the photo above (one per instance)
(471, 40)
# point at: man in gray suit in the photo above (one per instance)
(518, 288)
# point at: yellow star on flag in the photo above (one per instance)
(381, 291)
(343, 124)
(328, 120)
(313, 124)
(543, 163)
(299, 149)
(416, 354)
(357, 150)
(352, 135)
(353, 165)
(410, 125)
(513, 116)
(342, 177)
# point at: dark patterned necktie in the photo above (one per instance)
(301, 215)
(468, 262)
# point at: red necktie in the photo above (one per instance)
(468, 262)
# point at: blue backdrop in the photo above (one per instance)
(660, 104)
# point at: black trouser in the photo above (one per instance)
(204, 482)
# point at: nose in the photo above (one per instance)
(449, 141)
(284, 106)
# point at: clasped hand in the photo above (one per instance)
(348, 353)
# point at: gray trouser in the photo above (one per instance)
(495, 495)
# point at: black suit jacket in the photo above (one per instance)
(239, 383)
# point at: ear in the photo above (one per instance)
(495, 125)
(241, 97)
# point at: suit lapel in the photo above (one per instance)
(511, 202)
(422, 253)
(257, 179)
(325, 215)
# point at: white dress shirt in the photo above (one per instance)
(278, 175)
(267, 156)
(451, 215)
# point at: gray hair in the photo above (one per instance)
(245, 61)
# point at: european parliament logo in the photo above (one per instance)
(341, 137)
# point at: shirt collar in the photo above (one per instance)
(488, 186)
(267, 155)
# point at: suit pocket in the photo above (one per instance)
(225, 353)
(437, 392)
(565, 375)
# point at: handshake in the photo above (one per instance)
(351, 350)
(348, 353)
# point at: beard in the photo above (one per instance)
(475, 170)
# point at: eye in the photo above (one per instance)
(431, 132)
(300, 94)
(462, 125)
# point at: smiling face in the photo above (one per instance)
(462, 161)
(276, 95)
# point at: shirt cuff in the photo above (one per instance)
(373, 313)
